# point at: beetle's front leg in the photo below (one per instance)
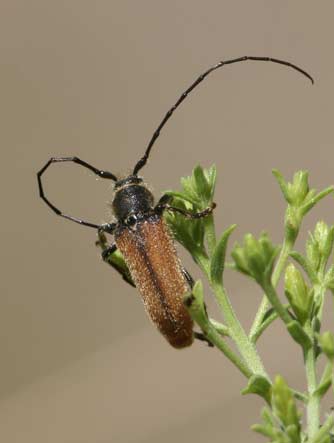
(163, 205)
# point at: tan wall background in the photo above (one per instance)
(80, 361)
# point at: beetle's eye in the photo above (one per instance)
(131, 220)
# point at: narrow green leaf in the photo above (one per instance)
(299, 187)
(313, 201)
(326, 341)
(203, 187)
(181, 196)
(282, 183)
(267, 416)
(306, 265)
(267, 431)
(299, 295)
(259, 385)
(211, 176)
(284, 405)
(218, 257)
(299, 335)
(323, 387)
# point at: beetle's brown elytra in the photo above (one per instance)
(150, 254)
(143, 237)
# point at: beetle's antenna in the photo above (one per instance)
(141, 163)
(100, 173)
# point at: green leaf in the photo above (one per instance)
(256, 257)
(329, 278)
(299, 188)
(323, 387)
(211, 176)
(312, 253)
(181, 196)
(312, 200)
(195, 301)
(189, 190)
(259, 385)
(300, 200)
(202, 185)
(190, 233)
(273, 430)
(199, 187)
(283, 184)
(267, 416)
(299, 295)
(299, 335)
(196, 195)
(218, 257)
(267, 431)
(306, 265)
(326, 341)
(319, 246)
(284, 407)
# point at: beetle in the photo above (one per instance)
(143, 237)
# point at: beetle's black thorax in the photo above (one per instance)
(131, 197)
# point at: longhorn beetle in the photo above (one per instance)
(143, 237)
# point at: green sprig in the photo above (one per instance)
(265, 263)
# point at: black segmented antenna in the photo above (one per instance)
(141, 163)
(103, 174)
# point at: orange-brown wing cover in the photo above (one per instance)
(150, 254)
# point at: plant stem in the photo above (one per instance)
(237, 333)
(313, 406)
(196, 308)
(203, 262)
(216, 339)
(276, 302)
(324, 430)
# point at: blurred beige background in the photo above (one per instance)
(80, 362)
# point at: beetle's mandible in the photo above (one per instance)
(143, 237)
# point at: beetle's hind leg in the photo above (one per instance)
(198, 335)
(113, 257)
(188, 277)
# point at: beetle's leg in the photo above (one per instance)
(106, 253)
(163, 200)
(163, 205)
(197, 335)
(109, 228)
(110, 256)
(100, 173)
(102, 241)
(188, 277)
(192, 215)
(200, 336)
